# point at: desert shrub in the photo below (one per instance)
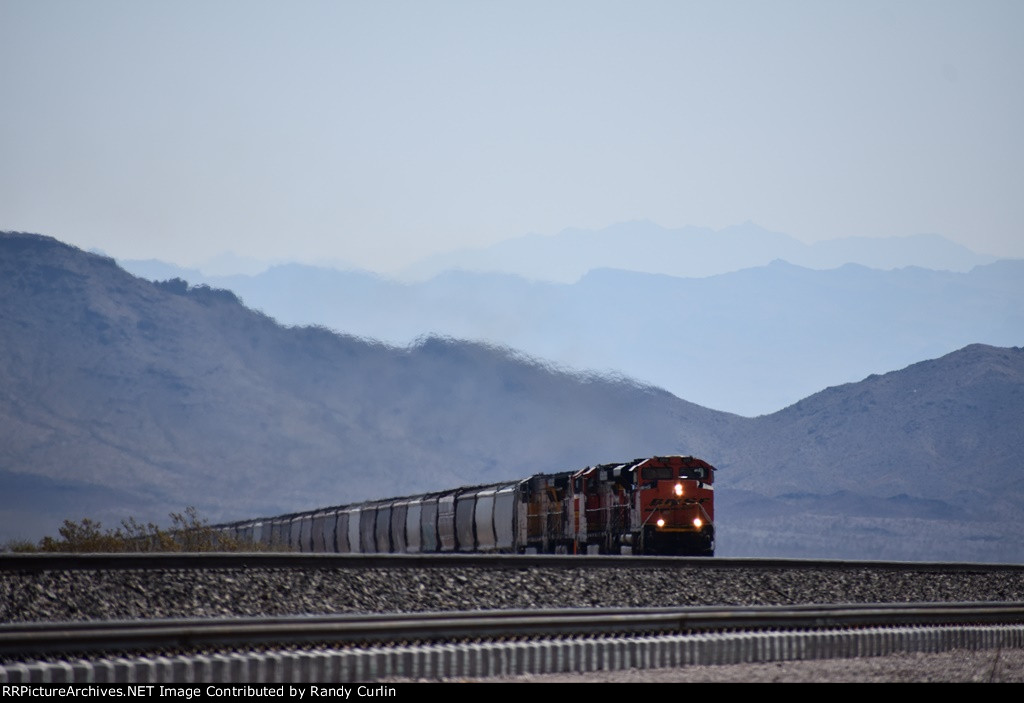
(18, 545)
(188, 533)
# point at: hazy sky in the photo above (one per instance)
(378, 132)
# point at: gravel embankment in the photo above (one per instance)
(128, 594)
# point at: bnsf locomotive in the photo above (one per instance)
(658, 505)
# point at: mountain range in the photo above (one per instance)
(689, 252)
(122, 396)
(749, 342)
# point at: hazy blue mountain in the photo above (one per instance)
(689, 252)
(891, 466)
(749, 342)
(916, 403)
(121, 396)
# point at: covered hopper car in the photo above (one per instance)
(657, 505)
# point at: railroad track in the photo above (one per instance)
(439, 645)
(526, 638)
(294, 560)
(35, 639)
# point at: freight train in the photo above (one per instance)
(656, 505)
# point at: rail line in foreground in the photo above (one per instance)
(298, 560)
(480, 644)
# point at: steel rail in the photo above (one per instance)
(294, 560)
(37, 639)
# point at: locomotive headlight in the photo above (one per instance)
(697, 522)
(679, 489)
(660, 522)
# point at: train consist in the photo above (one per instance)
(657, 505)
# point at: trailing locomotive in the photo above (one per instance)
(657, 505)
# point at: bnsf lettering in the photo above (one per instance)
(669, 503)
(665, 503)
(673, 503)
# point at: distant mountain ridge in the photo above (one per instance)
(121, 396)
(749, 342)
(690, 252)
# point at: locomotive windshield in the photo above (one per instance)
(667, 473)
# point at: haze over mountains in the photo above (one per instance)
(690, 252)
(643, 246)
(747, 341)
(122, 396)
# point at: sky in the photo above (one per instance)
(376, 133)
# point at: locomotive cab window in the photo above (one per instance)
(657, 473)
(698, 472)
